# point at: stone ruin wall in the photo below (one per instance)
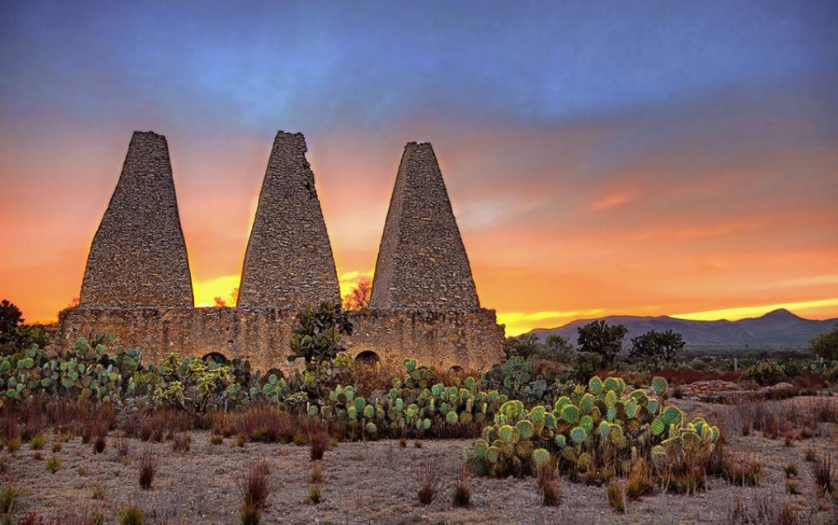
(424, 303)
(470, 340)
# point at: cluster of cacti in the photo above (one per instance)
(412, 406)
(91, 370)
(578, 429)
(86, 371)
(514, 378)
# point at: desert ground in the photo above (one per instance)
(377, 482)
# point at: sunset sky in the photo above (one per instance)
(651, 157)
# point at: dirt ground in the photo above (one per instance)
(377, 483)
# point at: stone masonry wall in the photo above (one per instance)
(138, 255)
(471, 340)
(422, 263)
(289, 260)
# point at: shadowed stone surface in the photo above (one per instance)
(422, 263)
(289, 261)
(138, 256)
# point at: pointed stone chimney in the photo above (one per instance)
(422, 263)
(289, 261)
(138, 255)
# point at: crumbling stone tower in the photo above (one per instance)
(422, 263)
(138, 256)
(289, 261)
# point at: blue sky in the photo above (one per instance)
(601, 140)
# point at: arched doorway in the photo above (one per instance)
(367, 358)
(216, 358)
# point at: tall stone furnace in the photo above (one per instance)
(138, 256)
(422, 263)
(424, 305)
(289, 261)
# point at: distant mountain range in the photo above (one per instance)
(777, 329)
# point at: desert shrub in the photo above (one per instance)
(53, 464)
(9, 498)
(639, 481)
(37, 442)
(254, 485)
(182, 442)
(549, 486)
(429, 479)
(314, 495)
(824, 475)
(148, 469)
(764, 510)
(461, 495)
(615, 494)
(766, 373)
(98, 492)
(250, 515)
(131, 515)
(318, 441)
(316, 473)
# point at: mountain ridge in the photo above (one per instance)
(779, 328)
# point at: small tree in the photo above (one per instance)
(558, 348)
(10, 318)
(825, 345)
(317, 337)
(359, 297)
(599, 338)
(654, 347)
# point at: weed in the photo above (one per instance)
(56, 448)
(318, 442)
(809, 455)
(417, 443)
(792, 488)
(37, 442)
(616, 496)
(250, 515)
(824, 476)
(53, 464)
(403, 442)
(254, 485)
(99, 443)
(790, 469)
(98, 492)
(317, 473)
(14, 445)
(640, 480)
(131, 515)
(217, 440)
(461, 496)
(182, 442)
(314, 495)
(429, 480)
(9, 497)
(148, 468)
(82, 471)
(549, 486)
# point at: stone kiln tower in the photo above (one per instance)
(424, 305)
(138, 256)
(289, 262)
(422, 263)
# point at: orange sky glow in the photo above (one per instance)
(600, 159)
